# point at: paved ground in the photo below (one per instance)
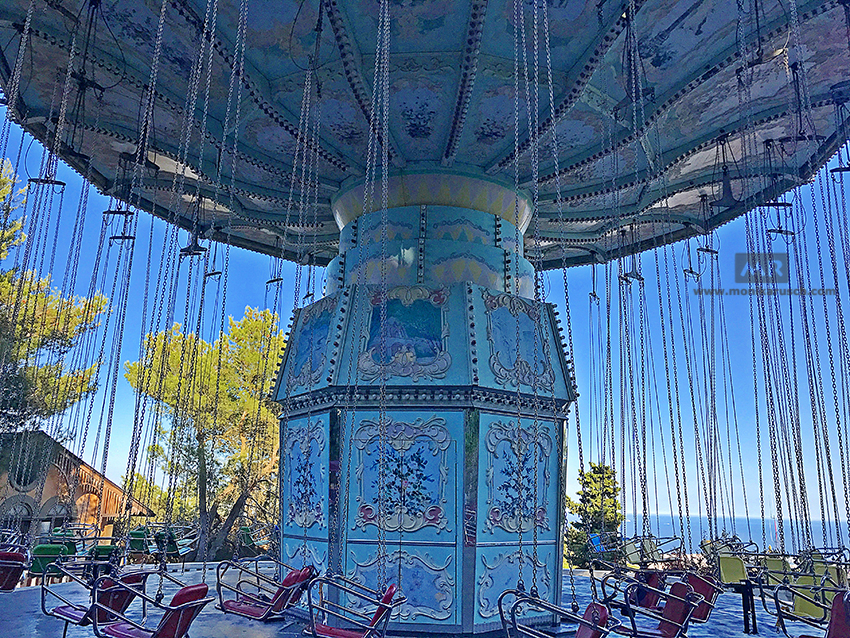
(21, 616)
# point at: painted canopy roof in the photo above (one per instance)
(631, 172)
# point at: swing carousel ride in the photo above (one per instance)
(431, 161)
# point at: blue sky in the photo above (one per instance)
(249, 272)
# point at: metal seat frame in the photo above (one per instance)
(365, 625)
(193, 607)
(267, 587)
(98, 584)
(514, 628)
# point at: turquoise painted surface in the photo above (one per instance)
(426, 575)
(461, 224)
(304, 502)
(447, 245)
(420, 484)
(498, 569)
(419, 497)
(413, 330)
(414, 343)
(308, 356)
(429, 341)
(509, 505)
(438, 336)
(508, 469)
(536, 362)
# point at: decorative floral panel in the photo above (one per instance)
(428, 585)
(409, 481)
(305, 474)
(518, 353)
(512, 475)
(412, 342)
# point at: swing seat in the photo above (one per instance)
(679, 604)
(362, 625)
(706, 587)
(12, 566)
(799, 602)
(647, 597)
(776, 571)
(137, 541)
(839, 618)
(596, 622)
(176, 619)
(603, 546)
(255, 538)
(43, 557)
(261, 607)
(617, 585)
(112, 600)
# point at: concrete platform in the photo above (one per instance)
(21, 616)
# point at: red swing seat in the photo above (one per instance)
(377, 625)
(839, 619)
(288, 595)
(679, 604)
(12, 566)
(596, 622)
(709, 589)
(596, 614)
(645, 588)
(111, 597)
(176, 619)
(647, 596)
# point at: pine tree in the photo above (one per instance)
(40, 329)
(597, 509)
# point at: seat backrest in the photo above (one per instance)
(103, 552)
(650, 550)
(776, 563)
(806, 586)
(706, 587)
(676, 611)
(597, 614)
(245, 534)
(116, 598)
(303, 582)
(596, 542)
(643, 597)
(632, 552)
(43, 555)
(11, 567)
(175, 621)
(776, 568)
(732, 569)
(138, 540)
(839, 619)
(712, 548)
(15, 557)
(386, 600)
(283, 596)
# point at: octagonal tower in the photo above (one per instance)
(466, 353)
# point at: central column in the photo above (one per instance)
(469, 364)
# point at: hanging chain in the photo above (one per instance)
(381, 107)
